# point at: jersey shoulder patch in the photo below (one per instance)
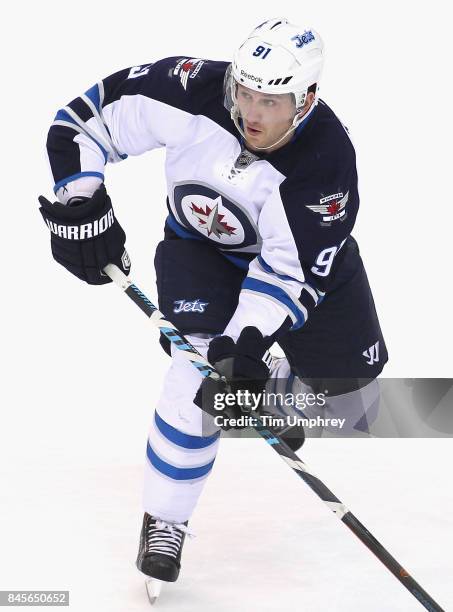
(187, 83)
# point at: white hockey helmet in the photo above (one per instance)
(277, 57)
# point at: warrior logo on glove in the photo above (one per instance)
(87, 230)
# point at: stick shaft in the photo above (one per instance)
(165, 327)
(277, 444)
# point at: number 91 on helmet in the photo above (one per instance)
(272, 84)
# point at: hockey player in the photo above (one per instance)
(262, 198)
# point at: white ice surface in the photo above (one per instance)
(264, 540)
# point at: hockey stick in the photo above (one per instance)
(296, 464)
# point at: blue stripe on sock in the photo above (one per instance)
(182, 439)
(175, 472)
(259, 286)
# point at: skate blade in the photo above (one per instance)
(153, 589)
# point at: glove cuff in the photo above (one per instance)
(62, 212)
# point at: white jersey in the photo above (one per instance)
(283, 216)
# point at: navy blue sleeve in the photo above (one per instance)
(321, 208)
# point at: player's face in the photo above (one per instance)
(265, 117)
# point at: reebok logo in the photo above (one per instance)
(372, 354)
(251, 77)
(84, 231)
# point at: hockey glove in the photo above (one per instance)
(242, 365)
(85, 237)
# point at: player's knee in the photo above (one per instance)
(181, 384)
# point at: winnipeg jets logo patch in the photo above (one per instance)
(210, 220)
(331, 207)
(187, 68)
(214, 217)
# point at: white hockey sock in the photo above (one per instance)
(182, 444)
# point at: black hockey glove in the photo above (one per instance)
(242, 365)
(85, 237)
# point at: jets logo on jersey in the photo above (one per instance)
(331, 207)
(211, 221)
(187, 69)
(214, 217)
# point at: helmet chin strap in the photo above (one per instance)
(296, 122)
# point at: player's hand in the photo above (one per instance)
(241, 364)
(86, 237)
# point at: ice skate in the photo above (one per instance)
(159, 554)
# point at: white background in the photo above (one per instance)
(82, 369)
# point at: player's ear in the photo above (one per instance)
(309, 100)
